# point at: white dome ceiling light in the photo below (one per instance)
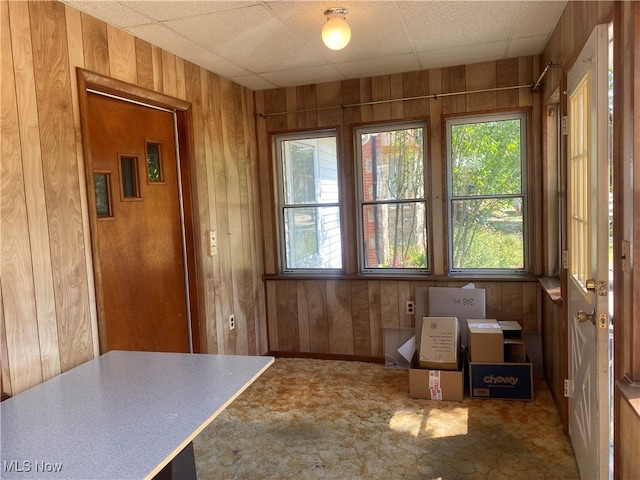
(336, 33)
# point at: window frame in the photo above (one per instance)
(282, 205)
(361, 203)
(523, 116)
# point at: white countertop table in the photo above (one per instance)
(123, 415)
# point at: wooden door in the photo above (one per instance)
(588, 211)
(140, 274)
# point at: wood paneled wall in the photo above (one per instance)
(347, 316)
(48, 314)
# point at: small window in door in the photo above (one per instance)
(155, 173)
(102, 187)
(129, 177)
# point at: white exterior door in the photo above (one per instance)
(588, 208)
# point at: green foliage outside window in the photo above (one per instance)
(487, 201)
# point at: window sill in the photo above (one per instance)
(630, 393)
(406, 278)
(551, 286)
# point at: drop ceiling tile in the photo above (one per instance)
(169, 10)
(252, 36)
(303, 76)
(117, 14)
(448, 57)
(538, 18)
(253, 82)
(526, 46)
(452, 24)
(379, 66)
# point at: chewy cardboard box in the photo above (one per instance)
(439, 343)
(437, 384)
(508, 381)
(462, 303)
(486, 341)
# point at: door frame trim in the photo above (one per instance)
(87, 81)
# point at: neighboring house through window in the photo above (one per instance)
(309, 201)
(392, 199)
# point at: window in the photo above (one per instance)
(487, 197)
(309, 201)
(392, 200)
(155, 172)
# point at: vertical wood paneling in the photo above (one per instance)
(302, 302)
(375, 319)
(415, 84)
(5, 372)
(481, 76)
(506, 76)
(76, 59)
(329, 94)
(360, 315)
(34, 193)
(169, 79)
(158, 69)
(122, 55)
(59, 158)
(381, 90)
(96, 47)
(21, 324)
(396, 91)
(272, 313)
(389, 304)
(454, 80)
(48, 303)
(348, 317)
(318, 316)
(306, 100)
(228, 218)
(144, 64)
(286, 303)
(242, 269)
(339, 315)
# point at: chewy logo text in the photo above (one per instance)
(497, 380)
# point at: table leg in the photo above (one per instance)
(182, 467)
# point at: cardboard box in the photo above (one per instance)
(394, 339)
(508, 381)
(462, 303)
(437, 384)
(511, 329)
(486, 341)
(515, 350)
(440, 343)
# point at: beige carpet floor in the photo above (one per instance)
(324, 419)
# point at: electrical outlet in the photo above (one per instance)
(410, 307)
(232, 321)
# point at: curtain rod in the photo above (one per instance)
(434, 96)
(544, 72)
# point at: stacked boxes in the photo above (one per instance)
(437, 372)
(492, 351)
(498, 364)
